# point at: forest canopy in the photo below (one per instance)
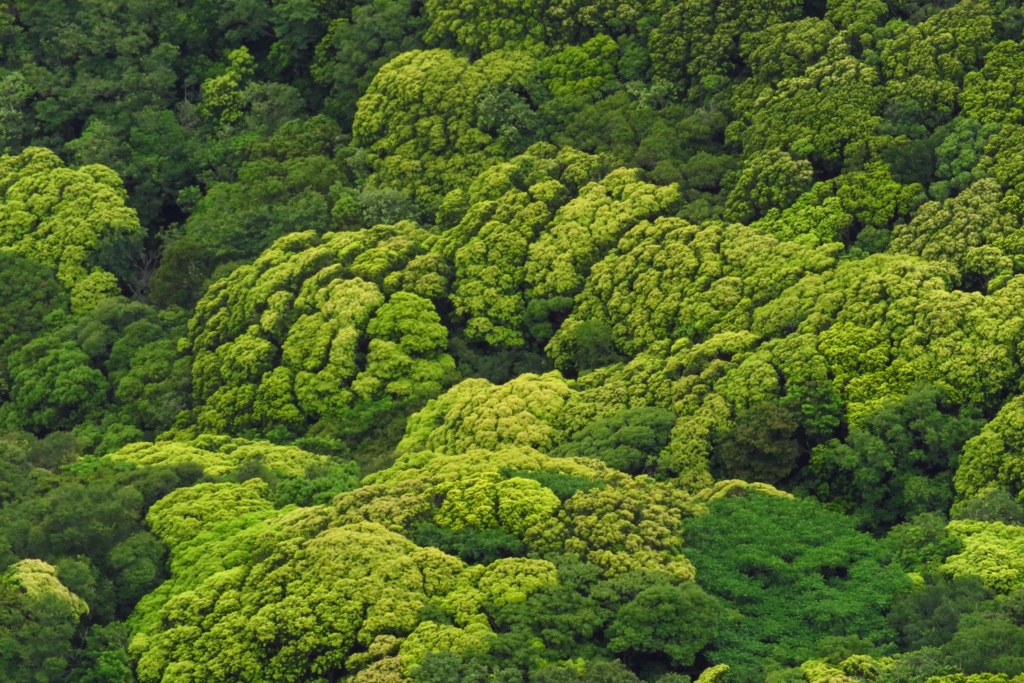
(480, 341)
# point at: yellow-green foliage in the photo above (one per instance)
(478, 414)
(211, 528)
(979, 231)
(695, 42)
(183, 514)
(991, 550)
(37, 581)
(990, 94)
(863, 331)
(831, 209)
(220, 455)
(419, 119)
(485, 502)
(996, 455)
(588, 226)
(59, 216)
(670, 279)
(713, 674)
(785, 49)
(279, 342)
(245, 576)
(829, 113)
(406, 336)
(314, 597)
(731, 487)
(506, 201)
(518, 247)
(222, 95)
(489, 266)
(431, 637)
(529, 228)
(850, 670)
(977, 678)
(91, 289)
(927, 63)
(620, 525)
(39, 618)
(483, 27)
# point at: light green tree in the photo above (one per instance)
(61, 217)
(38, 618)
(426, 161)
(279, 343)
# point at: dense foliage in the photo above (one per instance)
(470, 341)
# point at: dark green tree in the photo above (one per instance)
(629, 440)
(795, 572)
(898, 461)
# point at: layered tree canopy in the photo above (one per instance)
(475, 341)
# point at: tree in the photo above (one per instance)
(55, 387)
(929, 615)
(588, 226)
(760, 446)
(291, 182)
(958, 154)
(25, 459)
(58, 217)
(614, 529)
(280, 343)
(405, 356)
(992, 504)
(978, 235)
(676, 620)
(701, 39)
(830, 114)
(495, 235)
(89, 524)
(923, 542)
(572, 506)
(490, 27)
(897, 462)
(991, 457)
(785, 49)
(445, 88)
(925, 65)
(28, 292)
(478, 414)
(991, 551)
(104, 659)
(217, 456)
(628, 441)
(769, 179)
(112, 374)
(863, 201)
(795, 571)
(38, 617)
(354, 49)
(527, 230)
(595, 670)
(989, 94)
(651, 286)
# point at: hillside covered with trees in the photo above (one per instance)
(494, 341)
